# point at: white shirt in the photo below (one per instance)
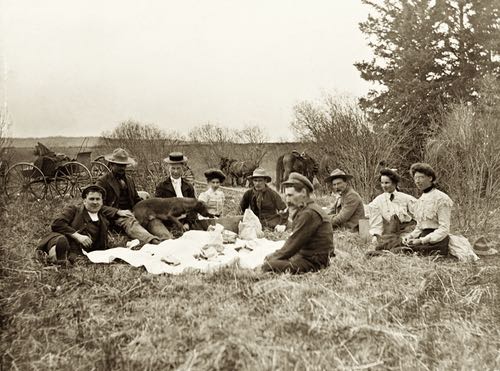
(93, 216)
(382, 208)
(432, 210)
(177, 184)
(214, 200)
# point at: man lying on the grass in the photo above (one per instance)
(80, 227)
(310, 245)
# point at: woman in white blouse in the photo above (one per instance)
(390, 212)
(213, 196)
(432, 211)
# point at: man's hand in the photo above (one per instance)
(125, 213)
(414, 242)
(186, 227)
(86, 241)
(280, 228)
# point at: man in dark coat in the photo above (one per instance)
(265, 203)
(122, 194)
(80, 227)
(311, 243)
(348, 207)
(176, 186)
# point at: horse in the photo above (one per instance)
(236, 171)
(295, 162)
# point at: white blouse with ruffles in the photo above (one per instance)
(432, 210)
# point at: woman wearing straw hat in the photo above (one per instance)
(348, 208)
(264, 202)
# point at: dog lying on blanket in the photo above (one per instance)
(169, 209)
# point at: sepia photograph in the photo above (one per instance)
(250, 185)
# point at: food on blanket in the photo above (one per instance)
(229, 237)
(208, 252)
(250, 227)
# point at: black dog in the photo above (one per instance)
(168, 209)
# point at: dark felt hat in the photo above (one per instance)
(484, 246)
(175, 158)
(93, 188)
(120, 156)
(296, 178)
(214, 174)
(337, 173)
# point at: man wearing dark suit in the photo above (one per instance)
(348, 207)
(80, 227)
(122, 194)
(176, 186)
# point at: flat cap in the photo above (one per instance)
(296, 178)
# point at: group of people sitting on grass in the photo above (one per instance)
(398, 221)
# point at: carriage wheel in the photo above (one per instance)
(71, 178)
(25, 180)
(98, 169)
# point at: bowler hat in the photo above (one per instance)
(260, 173)
(484, 246)
(93, 188)
(337, 173)
(296, 178)
(119, 156)
(214, 174)
(175, 158)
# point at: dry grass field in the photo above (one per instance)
(384, 313)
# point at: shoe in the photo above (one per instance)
(155, 241)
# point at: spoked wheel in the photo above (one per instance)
(25, 180)
(71, 178)
(98, 169)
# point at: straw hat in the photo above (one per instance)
(296, 178)
(120, 156)
(337, 173)
(484, 246)
(260, 173)
(175, 158)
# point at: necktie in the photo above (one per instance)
(391, 197)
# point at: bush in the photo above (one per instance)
(215, 141)
(466, 156)
(342, 138)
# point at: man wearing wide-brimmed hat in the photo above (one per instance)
(311, 243)
(264, 202)
(80, 227)
(348, 207)
(121, 193)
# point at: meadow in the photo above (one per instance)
(385, 313)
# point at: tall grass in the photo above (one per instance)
(466, 155)
(392, 313)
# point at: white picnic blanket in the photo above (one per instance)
(158, 259)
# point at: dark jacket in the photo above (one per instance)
(267, 211)
(113, 189)
(349, 211)
(75, 219)
(165, 189)
(312, 234)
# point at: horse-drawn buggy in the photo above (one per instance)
(51, 175)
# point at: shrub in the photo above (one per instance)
(342, 138)
(466, 155)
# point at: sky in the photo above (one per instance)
(80, 67)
